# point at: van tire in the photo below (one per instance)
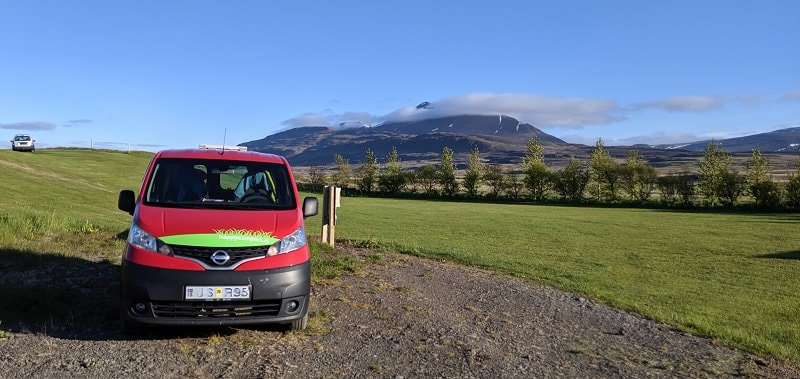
(300, 323)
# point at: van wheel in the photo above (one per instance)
(300, 324)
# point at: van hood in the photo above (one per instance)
(217, 227)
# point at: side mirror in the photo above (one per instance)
(127, 201)
(309, 207)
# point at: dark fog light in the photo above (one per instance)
(292, 306)
(139, 307)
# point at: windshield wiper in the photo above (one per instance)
(243, 206)
(174, 204)
(215, 205)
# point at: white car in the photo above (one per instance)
(23, 142)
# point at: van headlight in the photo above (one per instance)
(289, 243)
(144, 240)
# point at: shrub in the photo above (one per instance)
(447, 173)
(606, 172)
(793, 191)
(392, 179)
(427, 176)
(495, 178)
(760, 186)
(714, 172)
(316, 177)
(537, 176)
(514, 185)
(767, 193)
(639, 178)
(668, 187)
(570, 182)
(731, 187)
(342, 176)
(412, 182)
(368, 172)
(685, 187)
(475, 171)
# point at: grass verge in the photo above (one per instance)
(729, 276)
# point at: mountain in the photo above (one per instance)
(782, 140)
(499, 137)
(502, 127)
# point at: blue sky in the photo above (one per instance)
(177, 73)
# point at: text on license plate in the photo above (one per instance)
(217, 293)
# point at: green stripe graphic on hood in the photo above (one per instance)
(223, 238)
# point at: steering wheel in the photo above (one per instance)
(259, 196)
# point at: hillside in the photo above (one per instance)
(502, 137)
(782, 140)
(61, 182)
(500, 127)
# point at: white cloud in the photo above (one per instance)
(79, 121)
(683, 104)
(538, 110)
(329, 118)
(31, 126)
(307, 119)
(791, 96)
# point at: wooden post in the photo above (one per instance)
(329, 215)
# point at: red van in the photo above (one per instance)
(217, 238)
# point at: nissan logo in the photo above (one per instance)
(220, 257)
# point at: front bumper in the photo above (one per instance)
(162, 291)
(22, 147)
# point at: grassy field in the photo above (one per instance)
(730, 276)
(735, 277)
(62, 237)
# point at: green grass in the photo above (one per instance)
(62, 237)
(730, 276)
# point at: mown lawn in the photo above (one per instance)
(731, 276)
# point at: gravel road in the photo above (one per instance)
(401, 317)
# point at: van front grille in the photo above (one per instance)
(203, 254)
(216, 309)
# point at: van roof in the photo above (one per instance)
(230, 155)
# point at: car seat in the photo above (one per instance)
(256, 182)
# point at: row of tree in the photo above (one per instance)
(603, 178)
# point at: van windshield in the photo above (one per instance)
(209, 183)
(22, 138)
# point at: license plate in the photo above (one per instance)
(217, 293)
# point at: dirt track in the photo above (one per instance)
(403, 317)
